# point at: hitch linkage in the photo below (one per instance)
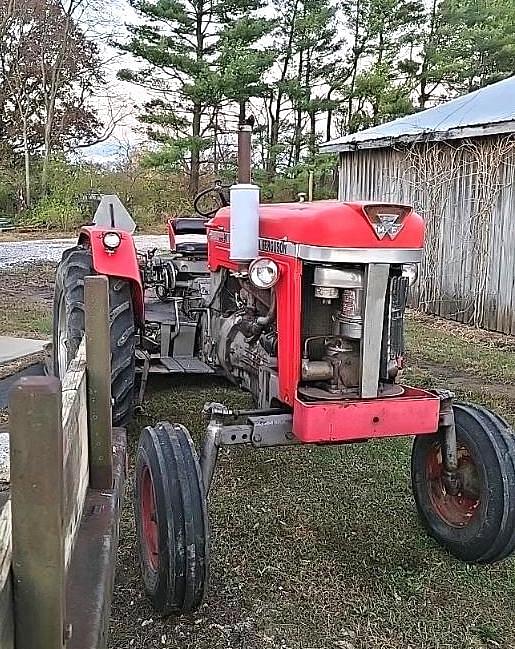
(262, 428)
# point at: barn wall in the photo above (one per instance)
(466, 193)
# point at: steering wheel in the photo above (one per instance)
(215, 197)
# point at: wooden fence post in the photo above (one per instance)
(38, 503)
(98, 359)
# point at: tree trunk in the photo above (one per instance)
(26, 156)
(195, 153)
(424, 96)
(197, 106)
(51, 94)
(329, 122)
(215, 142)
(275, 116)
(357, 50)
(313, 132)
(297, 140)
(47, 148)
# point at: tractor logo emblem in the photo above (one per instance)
(387, 224)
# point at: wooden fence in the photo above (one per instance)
(60, 505)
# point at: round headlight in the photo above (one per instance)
(263, 273)
(111, 240)
(411, 272)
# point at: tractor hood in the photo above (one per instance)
(335, 224)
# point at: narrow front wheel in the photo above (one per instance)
(475, 521)
(171, 519)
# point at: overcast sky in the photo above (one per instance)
(117, 98)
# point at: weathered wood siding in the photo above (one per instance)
(466, 193)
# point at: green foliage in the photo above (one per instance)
(477, 45)
(54, 213)
(197, 55)
(303, 70)
(287, 186)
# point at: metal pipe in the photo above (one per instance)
(260, 412)
(310, 186)
(209, 452)
(244, 154)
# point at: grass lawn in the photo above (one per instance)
(315, 548)
(318, 548)
(26, 294)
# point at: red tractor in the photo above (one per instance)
(303, 306)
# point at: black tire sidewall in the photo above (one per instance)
(474, 541)
(157, 583)
(178, 584)
(76, 264)
(74, 317)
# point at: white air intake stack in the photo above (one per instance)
(244, 210)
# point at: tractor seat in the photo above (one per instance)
(186, 225)
(188, 236)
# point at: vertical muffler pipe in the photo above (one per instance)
(244, 154)
(244, 210)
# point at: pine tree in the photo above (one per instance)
(385, 35)
(193, 53)
(467, 44)
(317, 47)
(477, 43)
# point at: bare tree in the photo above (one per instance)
(70, 62)
(18, 74)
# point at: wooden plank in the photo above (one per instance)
(75, 446)
(5, 537)
(98, 352)
(6, 601)
(37, 498)
(5, 471)
(91, 573)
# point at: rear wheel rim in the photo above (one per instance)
(460, 509)
(62, 339)
(149, 519)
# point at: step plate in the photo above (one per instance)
(185, 365)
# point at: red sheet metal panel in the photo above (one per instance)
(328, 224)
(416, 412)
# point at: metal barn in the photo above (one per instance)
(455, 163)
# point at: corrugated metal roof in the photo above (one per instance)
(486, 111)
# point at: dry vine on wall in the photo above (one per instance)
(444, 178)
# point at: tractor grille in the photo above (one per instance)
(398, 298)
(393, 331)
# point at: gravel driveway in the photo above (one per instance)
(20, 252)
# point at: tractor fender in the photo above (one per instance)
(122, 262)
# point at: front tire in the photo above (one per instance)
(69, 327)
(477, 524)
(171, 519)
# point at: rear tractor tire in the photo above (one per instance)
(476, 524)
(69, 327)
(171, 519)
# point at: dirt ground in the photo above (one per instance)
(317, 548)
(26, 294)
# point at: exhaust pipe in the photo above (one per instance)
(244, 210)
(244, 154)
